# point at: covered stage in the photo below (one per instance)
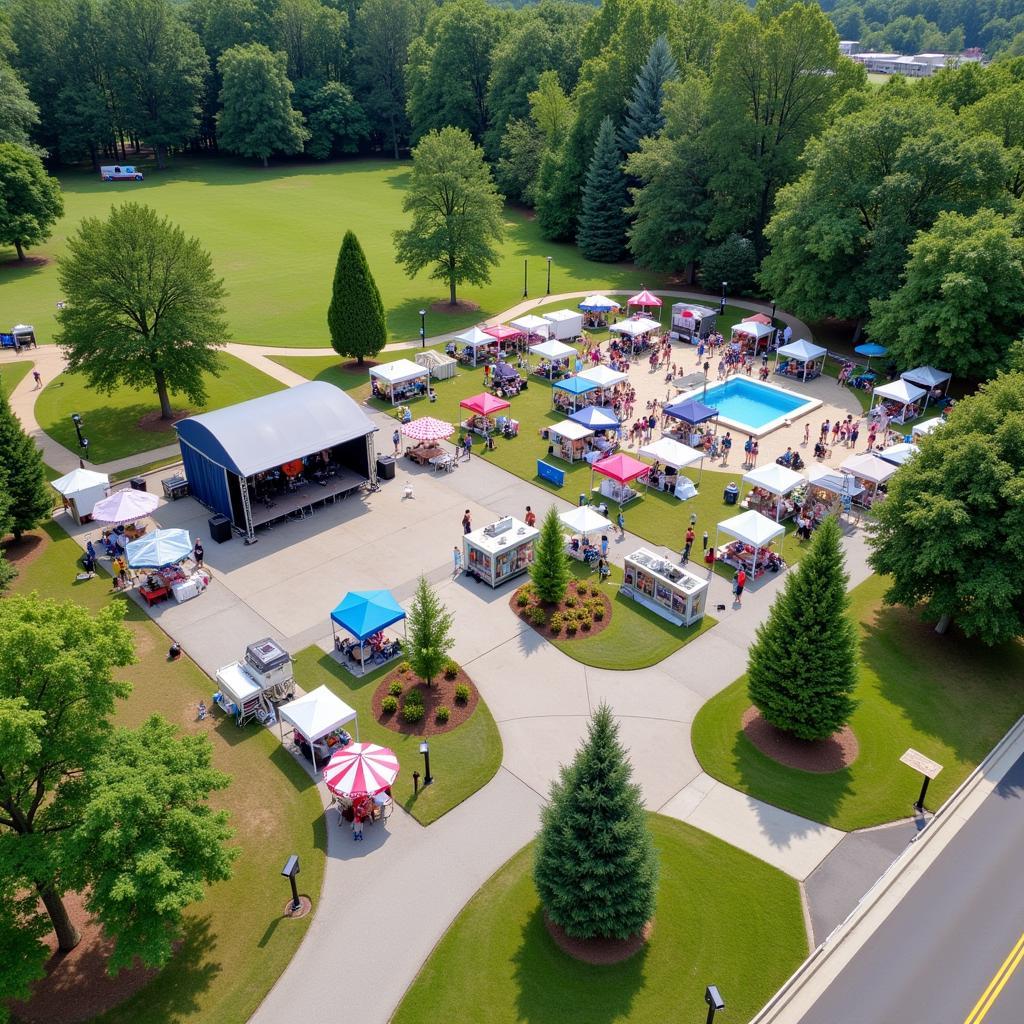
(279, 455)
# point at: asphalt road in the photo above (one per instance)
(948, 952)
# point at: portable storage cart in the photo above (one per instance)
(499, 551)
(664, 587)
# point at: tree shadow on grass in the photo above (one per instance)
(554, 988)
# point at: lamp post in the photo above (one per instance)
(83, 442)
(423, 328)
(525, 293)
(715, 1002)
(549, 274)
(425, 751)
(721, 310)
(290, 870)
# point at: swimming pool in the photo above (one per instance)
(751, 406)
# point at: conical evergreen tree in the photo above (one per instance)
(602, 228)
(596, 869)
(430, 632)
(355, 316)
(643, 113)
(549, 570)
(802, 666)
(30, 497)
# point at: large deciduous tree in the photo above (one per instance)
(430, 632)
(948, 534)
(257, 118)
(596, 868)
(18, 114)
(802, 666)
(30, 200)
(27, 497)
(144, 308)
(355, 316)
(456, 212)
(602, 229)
(961, 304)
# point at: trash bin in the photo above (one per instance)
(583, 500)
(732, 494)
(138, 483)
(220, 528)
(386, 467)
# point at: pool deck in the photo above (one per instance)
(808, 406)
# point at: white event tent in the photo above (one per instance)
(776, 479)
(553, 351)
(903, 393)
(803, 352)
(82, 489)
(635, 326)
(752, 528)
(928, 377)
(401, 371)
(604, 377)
(897, 454)
(868, 467)
(568, 430)
(584, 520)
(316, 715)
(670, 452)
(829, 480)
(531, 324)
(754, 329)
(927, 427)
(476, 339)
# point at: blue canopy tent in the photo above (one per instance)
(365, 612)
(691, 411)
(595, 417)
(574, 386)
(159, 549)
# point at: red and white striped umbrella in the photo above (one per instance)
(361, 769)
(426, 428)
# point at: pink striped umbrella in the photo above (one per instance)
(426, 428)
(361, 769)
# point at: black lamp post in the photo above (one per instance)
(83, 442)
(549, 274)
(721, 311)
(423, 328)
(715, 1002)
(290, 870)
(525, 293)
(425, 751)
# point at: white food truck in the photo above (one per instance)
(120, 172)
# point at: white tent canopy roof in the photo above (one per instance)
(838, 483)
(802, 351)
(603, 376)
(753, 329)
(474, 337)
(774, 478)
(552, 350)
(897, 454)
(752, 528)
(927, 427)
(317, 713)
(868, 467)
(80, 480)
(584, 519)
(571, 430)
(899, 391)
(926, 376)
(432, 359)
(670, 452)
(531, 324)
(636, 326)
(399, 371)
(562, 314)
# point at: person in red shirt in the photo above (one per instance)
(690, 537)
(741, 582)
(531, 517)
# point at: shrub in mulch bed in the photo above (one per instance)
(581, 613)
(443, 693)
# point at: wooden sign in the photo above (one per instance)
(925, 765)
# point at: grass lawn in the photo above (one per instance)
(635, 638)
(945, 696)
(461, 761)
(12, 374)
(236, 942)
(274, 237)
(722, 916)
(111, 421)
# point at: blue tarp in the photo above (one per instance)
(365, 612)
(595, 418)
(159, 549)
(575, 385)
(691, 411)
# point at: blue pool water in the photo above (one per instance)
(748, 402)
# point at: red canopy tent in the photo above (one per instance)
(484, 405)
(503, 333)
(622, 469)
(758, 318)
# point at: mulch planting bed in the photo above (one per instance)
(461, 306)
(578, 591)
(154, 423)
(440, 693)
(25, 551)
(77, 986)
(834, 754)
(598, 951)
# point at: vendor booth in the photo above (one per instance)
(900, 400)
(476, 346)
(568, 440)
(20, 336)
(617, 472)
(162, 553)
(318, 719)
(644, 300)
(771, 486)
(752, 336)
(359, 778)
(800, 360)
(674, 456)
(481, 409)
(870, 470)
(691, 322)
(898, 454)
(569, 394)
(667, 589)
(926, 427)
(584, 527)
(751, 550)
(638, 329)
(498, 552)
(279, 455)
(605, 379)
(935, 382)
(532, 327)
(365, 614)
(81, 489)
(555, 359)
(428, 433)
(597, 417)
(440, 365)
(399, 381)
(596, 309)
(695, 418)
(506, 380)
(566, 324)
(507, 337)
(829, 492)
(247, 688)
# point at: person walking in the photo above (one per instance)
(604, 545)
(531, 516)
(197, 553)
(621, 523)
(467, 522)
(824, 432)
(690, 537)
(754, 450)
(396, 439)
(807, 434)
(456, 560)
(467, 446)
(38, 378)
(726, 447)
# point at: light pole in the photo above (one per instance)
(549, 274)
(425, 751)
(423, 328)
(715, 1002)
(83, 442)
(525, 293)
(290, 870)
(721, 311)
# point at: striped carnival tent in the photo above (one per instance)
(361, 769)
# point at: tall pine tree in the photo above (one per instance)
(602, 229)
(430, 632)
(355, 316)
(30, 498)
(644, 118)
(802, 666)
(596, 869)
(549, 570)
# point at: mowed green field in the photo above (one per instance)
(274, 236)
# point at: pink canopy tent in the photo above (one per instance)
(621, 468)
(361, 769)
(426, 428)
(644, 298)
(502, 332)
(484, 404)
(758, 318)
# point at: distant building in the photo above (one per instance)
(919, 66)
(849, 47)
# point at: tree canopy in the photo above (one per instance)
(549, 570)
(644, 116)
(30, 200)
(26, 496)
(602, 230)
(144, 308)
(355, 316)
(430, 632)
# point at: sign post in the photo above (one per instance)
(926, 766)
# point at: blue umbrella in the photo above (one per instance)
(871, 349)
(159, 549)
